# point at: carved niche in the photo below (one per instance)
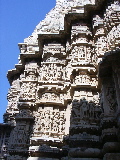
(31, 71)
(80, 53)
(28, 91)
(51, 72)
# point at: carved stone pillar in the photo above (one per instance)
(82, 59)
(20, 136)
(12, 97)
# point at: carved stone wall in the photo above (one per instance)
(64, 100)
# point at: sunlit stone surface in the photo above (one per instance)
(64, 100)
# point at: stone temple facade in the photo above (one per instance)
(64, 100)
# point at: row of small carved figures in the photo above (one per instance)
(84, 108)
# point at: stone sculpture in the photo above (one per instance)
(64, 100)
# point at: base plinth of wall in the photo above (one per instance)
(80, 158)
(112, 156)
(42, 158)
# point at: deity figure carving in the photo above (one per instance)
(110, 95)
(62, 123)
(75, 108)
(81, 53)
(91, 109)
(85, 113)
(56, 121)
(47, 120)
(83, 108)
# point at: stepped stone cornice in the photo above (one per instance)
(55, 25)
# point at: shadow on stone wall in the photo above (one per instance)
(19, 140)
(84, 134)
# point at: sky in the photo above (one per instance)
(18, 19)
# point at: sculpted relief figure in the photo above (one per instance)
(91, 109)
(55, 122)
(89, 50)
(62, 123)
(81, 53)
(53, 97)
(78, 53)
(83, 108)
(75, 109)
(110, 94)
(47, 120)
